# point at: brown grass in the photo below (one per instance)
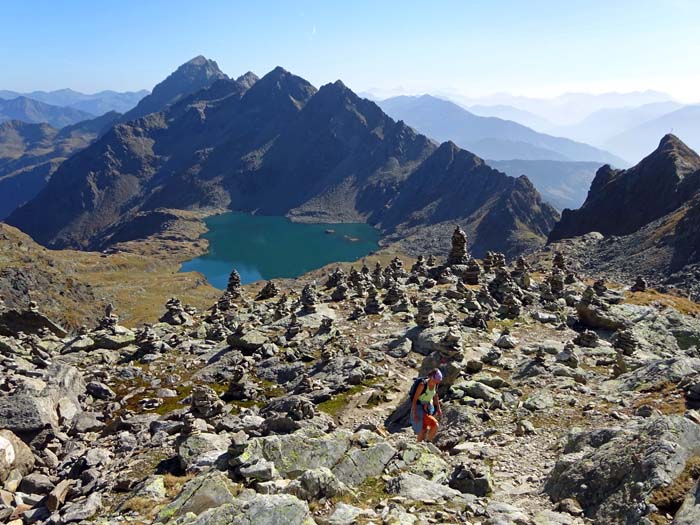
(653, 297)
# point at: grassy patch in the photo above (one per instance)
(336, 404)
(665, 397)
(652, 297)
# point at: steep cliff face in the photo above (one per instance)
(276, 145)
(620, 202)
(649, 216)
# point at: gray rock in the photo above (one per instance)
(260, 509)
(87, 422)
(540, 400)
(689, 513)
(212, 490)
(316, 484)
(84, 510)
(611, 474)
(100, 390)
(418, 488)
(200, 451)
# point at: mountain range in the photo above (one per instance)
(33, 111)
(95, 103)
(30, 153)
(649, 214)
(488, 137)
(683, 122)
(279, 146)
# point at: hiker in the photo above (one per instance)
(425, 405)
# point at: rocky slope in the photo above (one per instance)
(33, 111)
(30, 153)
(278, 146)
(563, 403)
(137, 277)
(648, 216)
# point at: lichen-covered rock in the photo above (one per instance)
(260, 509)
(613, 474)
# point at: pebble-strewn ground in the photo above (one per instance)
(565, 401)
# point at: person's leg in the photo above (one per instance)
(431, 426)
(418, 428)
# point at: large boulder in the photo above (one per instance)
(14, 455)
(258, 509)
(200, 451)
(208, 491)
(616, 475)
(352, 458)
(56, 403)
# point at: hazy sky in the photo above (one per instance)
(531, 47)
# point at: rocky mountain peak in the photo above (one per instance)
(190, 77)
(620, 202)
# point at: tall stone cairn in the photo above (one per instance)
(458, 253)
(234, 283)
(309, 299)
(424, 316)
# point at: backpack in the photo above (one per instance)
(417, 381)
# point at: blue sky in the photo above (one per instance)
(531, 47)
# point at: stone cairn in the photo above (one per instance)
(269, 291)
(587, 339)
(335, 278)
(234, 286)
(472, 272)
(175, 314)
(340, 293)
(424, 315)
(559, 261)
(110, 320)
(419, 267)
(393, 295)
(309, 299)
(431, 261)
(149, 343)
(372, 304)
(640, 285)
(458, 253)
(599, 287)
(205, 402)
(625, 341)
(377, 276)
(556, 281)
(282, 306)
(294, 327)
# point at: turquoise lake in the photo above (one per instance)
(263, 247)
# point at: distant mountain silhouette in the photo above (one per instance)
(278, 146)
(33, 111)
(683, 122)
(95, 104)
(191, 76)
(488, 137)
(505, 112)
(563, 184)
(30, 153)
